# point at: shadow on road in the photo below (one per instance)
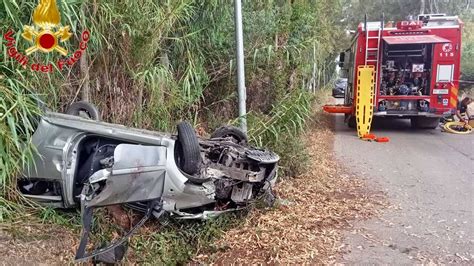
(386, 125)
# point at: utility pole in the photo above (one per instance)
(239, 41)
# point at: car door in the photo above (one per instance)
(136, 174)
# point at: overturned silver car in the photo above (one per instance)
(91, 164)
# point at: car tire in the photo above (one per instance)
(424, 122)
(189, 154)
(84, 107)
(230, 131)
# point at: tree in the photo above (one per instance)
(396, 10)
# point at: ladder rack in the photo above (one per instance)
(375, 49)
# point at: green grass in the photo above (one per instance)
(177, 242)
(70, 218)
(168, 241)
(18, 116)
(281, 131)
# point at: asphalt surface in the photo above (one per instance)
(428, 177)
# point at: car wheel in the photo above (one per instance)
(189, 154)
(84, 109)
(230, 131)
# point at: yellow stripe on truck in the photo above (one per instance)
(453, 100)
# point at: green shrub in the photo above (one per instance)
(18, 113)
(281, 130)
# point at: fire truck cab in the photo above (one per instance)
(417, 68)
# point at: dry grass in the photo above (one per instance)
(24, 243)
(307, 225)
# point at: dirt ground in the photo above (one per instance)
(315, 210)
(23, 243)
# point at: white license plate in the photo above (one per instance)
(440, 91)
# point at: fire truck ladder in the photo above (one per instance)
(375, 50)
(367, 78)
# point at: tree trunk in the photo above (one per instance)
(324, 74)
(435, 3)
(140, 103)
(291, 81)
(422, 6)
(276, 42)
(86, 87)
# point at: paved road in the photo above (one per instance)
(429, 178)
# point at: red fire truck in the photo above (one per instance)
(417, 68)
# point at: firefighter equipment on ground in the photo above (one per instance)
(364, 100)
(457, 128)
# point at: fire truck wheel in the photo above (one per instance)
(352, 122)
(424, 122)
